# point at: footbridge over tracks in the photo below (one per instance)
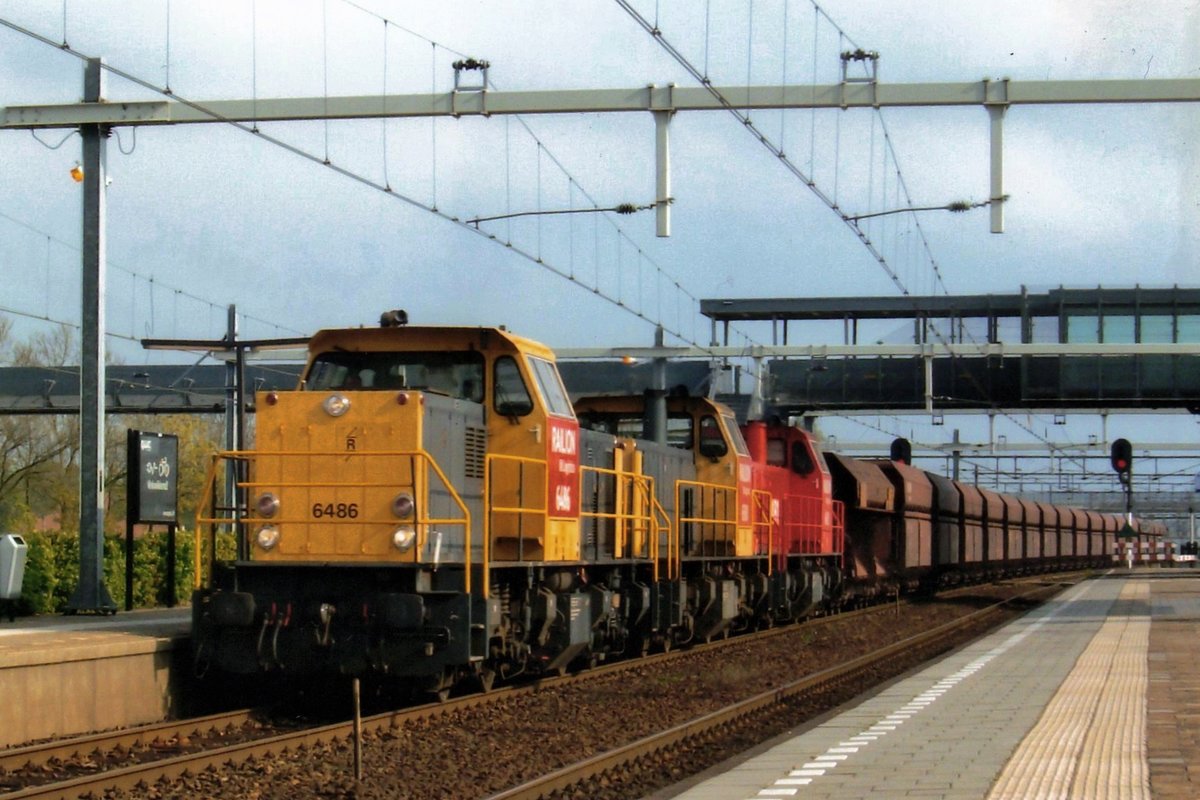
(1066, 349)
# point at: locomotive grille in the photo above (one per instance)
(475, 446)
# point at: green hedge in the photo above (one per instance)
(52, 569)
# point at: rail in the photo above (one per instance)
(648, 749)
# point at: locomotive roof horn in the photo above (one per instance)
(395, 318)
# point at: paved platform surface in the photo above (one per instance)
(1096, 694)
(57, 637)
(62, 675)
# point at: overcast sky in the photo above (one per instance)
(1099, 195)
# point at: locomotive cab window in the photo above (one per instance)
(550, 384)
(510, 397)
(679, 431)
(735, 435)
(776, 452)
(633, 426)
(802, 462)
(712, 442)
(458, 375)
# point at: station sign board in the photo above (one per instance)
(153, 477)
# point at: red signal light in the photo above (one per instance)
(1122, 456)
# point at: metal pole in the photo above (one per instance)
(90, 593)
(927, 360)
(996, 114)
(662, 155)
(758, 392)
(172, 598)
(357, 733)
(231, 427)
(957, 455)
(654, 425)
(242, 468)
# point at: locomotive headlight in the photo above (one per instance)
(336, 405)
(404, 538)
(403, 505)
(267, 505)
(267, 537)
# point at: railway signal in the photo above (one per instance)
(1122, 462)
(1122, 459)
(902, 451)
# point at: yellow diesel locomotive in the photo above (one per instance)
(426, 506)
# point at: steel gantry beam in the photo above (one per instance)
(985, 93)
(996, 96)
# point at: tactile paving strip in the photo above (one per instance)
(1090, 741)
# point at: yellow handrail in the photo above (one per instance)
(729, 493)
(490, 510)
(210, 478)
(762, 505)
(656, 521)
(674, 566)
(423, 456)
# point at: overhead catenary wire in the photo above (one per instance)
(134, 274)
(383, 99)
(345, 172)
(621, 208)
(49, 146)
(704, 78)
(763, 139)
(167, 59)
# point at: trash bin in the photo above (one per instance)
(13, 551)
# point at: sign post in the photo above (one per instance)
(152, 497)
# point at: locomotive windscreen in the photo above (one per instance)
(454, 374)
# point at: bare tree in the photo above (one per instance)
(38, 454)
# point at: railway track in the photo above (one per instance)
(651, 751)
(162, 744)
(167, 751)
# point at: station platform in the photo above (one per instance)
(1095, 694)
(64, 675)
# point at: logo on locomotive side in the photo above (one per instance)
(564, 441)
(562, 475)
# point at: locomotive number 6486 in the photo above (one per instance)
(335, 510)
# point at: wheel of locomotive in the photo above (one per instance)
(585, 661)
(485, 677)
(438, 686)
